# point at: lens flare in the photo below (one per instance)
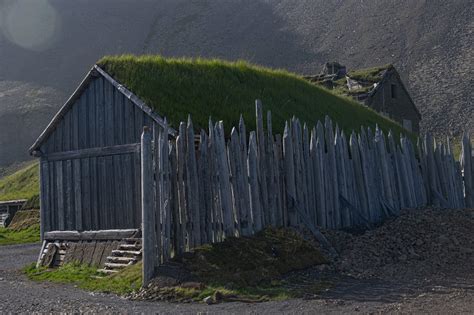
(31, 24)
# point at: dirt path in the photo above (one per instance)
(17, 294)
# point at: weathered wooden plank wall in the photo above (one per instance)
(90, 164)
(219, 187)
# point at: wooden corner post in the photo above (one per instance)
(148, 222)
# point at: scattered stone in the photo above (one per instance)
(208, 300)
(420, 242)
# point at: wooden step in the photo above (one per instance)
(122, 260)
(114, 265)
(133, 240)
(130, 247)
(126, 253)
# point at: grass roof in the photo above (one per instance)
(223, 90)
(371, 75)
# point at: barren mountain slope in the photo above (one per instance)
(430, 42)
(26, 109)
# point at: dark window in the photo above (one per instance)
(393, 91)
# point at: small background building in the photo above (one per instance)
(8, 210)
(379, 88)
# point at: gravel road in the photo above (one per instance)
(19, 295)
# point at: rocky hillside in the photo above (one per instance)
(50, 45)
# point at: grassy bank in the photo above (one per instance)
(28, 235)
(224, 90)
(23, 184)
(24, 228)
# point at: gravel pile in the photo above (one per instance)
(420, 243)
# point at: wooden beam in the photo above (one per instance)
(94, 152)
(89, 235)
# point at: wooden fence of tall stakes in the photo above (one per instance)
(202, 191)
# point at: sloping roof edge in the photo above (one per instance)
(95, 72)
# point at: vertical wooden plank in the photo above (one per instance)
(166, 216)
(180, 156)
(91, 112)
(60, 195)
(467, 167)
(246, 219)
(346, 180)
(289, 175)
(359, 181)
(158, 187)
(109, 91)
(96, 206)
(176, 231)
(45, 211)
(118, 124)
(270, 172)
(307, 172)
(368, 182)
(409, 171)
(148, 219)
(120, 186)
(74, 124)
(331, 155)
(319, 166)
(299, 171)
(100, 113)
(103, 195)
(129, 122)
(262, 169)
(86, 194)
(431, 169)
(216, 204)
(233, 153)
(396, 169)
(381, 154)
(341, 172)
(78, 195)
(68, 182)
(53, 200)
(204, 189)
(192, 183)
(253, 184)
(280, 181)
(224, 184)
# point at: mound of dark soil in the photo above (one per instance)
(236, 268)
(421, 243)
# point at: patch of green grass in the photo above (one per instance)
(28, 235)
(224, 90)
(370, 74)
(23, 184)
(238, 269)
(88, 278)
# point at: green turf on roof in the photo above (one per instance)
(224, 90)
(371, 75)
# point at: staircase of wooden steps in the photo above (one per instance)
(129, 252)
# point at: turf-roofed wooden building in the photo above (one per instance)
(90, 163)
(90, 158)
